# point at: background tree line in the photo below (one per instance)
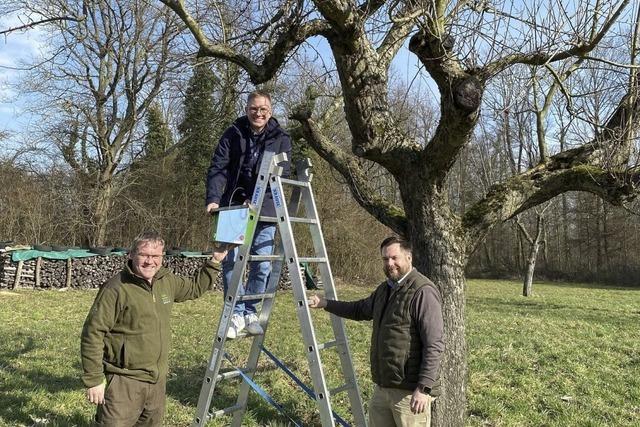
(582, 237)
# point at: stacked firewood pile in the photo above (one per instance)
(88, 272)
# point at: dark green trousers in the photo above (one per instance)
(130, 402)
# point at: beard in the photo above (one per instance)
(395, 274)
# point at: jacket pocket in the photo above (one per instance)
(123, 355)
(114, 349)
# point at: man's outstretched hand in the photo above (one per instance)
(316, 301)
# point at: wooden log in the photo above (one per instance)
(67, 283)
(16, 280)
(37, 272)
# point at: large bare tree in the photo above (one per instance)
(104, 64)
(461, 45)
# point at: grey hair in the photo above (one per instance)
(146, 237)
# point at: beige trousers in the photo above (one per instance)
(391, 407)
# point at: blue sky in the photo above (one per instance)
(14, 47)
(18, 46)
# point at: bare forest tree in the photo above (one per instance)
(105, 64)
(462, 46)
(534, 241)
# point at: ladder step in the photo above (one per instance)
(248, 297)
(264, 257)
(244, 334)
(225, 411)
(312, 260)
(340, 389)
(328, 344)
(301, 220)
(293, 182)
(232, 374)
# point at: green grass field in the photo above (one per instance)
(567, 356)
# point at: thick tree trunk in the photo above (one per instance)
(104, 201)
(449, 408)
(440, 254)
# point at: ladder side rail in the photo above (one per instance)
(267, 305)
(237, 276)
(337, 323)
(321, 391)
(303, 172)
(258, 340)
(268, 168)
(217, 351)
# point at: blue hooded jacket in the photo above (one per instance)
(233, 171)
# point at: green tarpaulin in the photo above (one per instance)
(32, 253)
(25, 255)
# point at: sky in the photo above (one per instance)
(14, 47)
(17, 46)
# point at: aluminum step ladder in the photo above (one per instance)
(287, 253)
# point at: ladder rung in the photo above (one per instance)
(264, 257)
(247, 297)
(328, 344)
(300, 220)
(340, 389)
(312, 259)
(225, 411)
(243, 334)
(303, 220)
(232, 374)
(295, 183)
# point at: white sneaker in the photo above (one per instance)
(237, 324)
(253, 326)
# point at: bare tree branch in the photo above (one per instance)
(34, 24)
(350, 167)
(292, 37)
(580, 49)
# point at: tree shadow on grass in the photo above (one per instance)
(14, 397)
(517, 284)
(14, 413)
(582, 285)
(598, 315)
(184, 385)
(21, 382)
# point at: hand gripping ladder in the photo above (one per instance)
(301, 194)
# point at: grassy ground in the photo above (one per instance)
(567, 356)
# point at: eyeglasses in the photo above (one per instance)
(147, 257)
(259, 110)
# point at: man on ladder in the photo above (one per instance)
(231, 179)
(301, 211)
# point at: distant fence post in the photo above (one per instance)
(37, 272)
(16, 280)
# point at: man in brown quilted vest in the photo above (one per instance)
(407, 340)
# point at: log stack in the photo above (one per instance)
(88, 272)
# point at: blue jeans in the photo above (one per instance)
(263, 242)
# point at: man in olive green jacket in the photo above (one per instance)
(126, 337)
